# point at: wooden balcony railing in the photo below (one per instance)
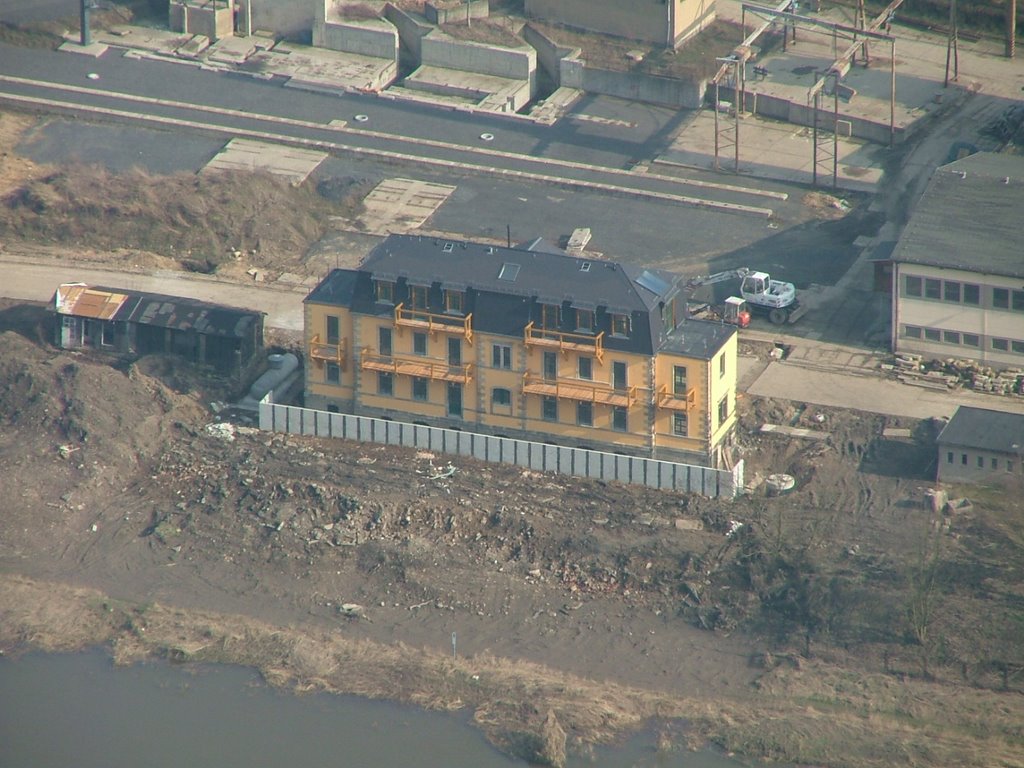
(329, 353)
(574, 389)
(425, 368)
(565, 342)
(673, 402)
(433, 322)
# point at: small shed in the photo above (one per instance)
(134, 322)
(980, 444)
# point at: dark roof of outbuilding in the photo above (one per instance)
(969, 217)
(177, 312)
(997, 431)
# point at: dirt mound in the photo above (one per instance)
(199, 220)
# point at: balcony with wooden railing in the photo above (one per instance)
(575, 389)
(327, 353)
(423, 367)
(673, 402)
(432, 322)
(592, 344)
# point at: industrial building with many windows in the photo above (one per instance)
(522, 342)
(958, 273)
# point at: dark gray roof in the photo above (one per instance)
(184, 314)
(550, 278)
(505, 286)
(969, 217)
(986, 429)
(701, 339)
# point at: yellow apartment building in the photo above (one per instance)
(523, 343)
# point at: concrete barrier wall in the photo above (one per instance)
(549, 53)
(667, 91)
(214, 22)
(368, 38)
(579, 462)
(515, 64)
(797, 113)
(477, 9)
(410, 32)
(282, 17)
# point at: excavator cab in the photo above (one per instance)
(735, 312)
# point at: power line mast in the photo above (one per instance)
(951, 45)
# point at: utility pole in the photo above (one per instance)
(1011, 28)
(951, 45)
(85, 7)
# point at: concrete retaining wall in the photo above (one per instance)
(282, 17)
(549, 53)
(444, 13)
(797, 113)
(377, 38)
(667, 91)
(667, 475)
(214, 20)
(511, 63)
(410, 33)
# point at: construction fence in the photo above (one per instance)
(543, 457)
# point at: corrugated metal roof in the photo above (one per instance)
(155, 309)
(969, 218)
(983, 428)
(82, 301)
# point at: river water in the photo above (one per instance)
(79, 711)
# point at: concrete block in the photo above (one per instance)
(637, 469)
(293, 420)
(465, 441)
(564, 461)
(536, 451)
(322, 423)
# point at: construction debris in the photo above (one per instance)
(807, 434)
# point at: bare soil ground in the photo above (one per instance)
(843, 624)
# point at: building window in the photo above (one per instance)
(1009, 466)
(620, 325)
(1001, 345)
(333, 329)
(949, 457)
(951, 291)
(107, 334)
(585, 414)
(995, 464)
(1018, 301)
(549, 316)
(972, 294)
(420, 388)
(619, 375)
(333, 373)
(384, 291)
(679, 380)
(911, 332)
(549, 409)
(723, 410)
(586, 368)
(981, 462)
(620, 419)
(550, 365)
(418, 296)
(912, 286)
(680, 424)
(419, 343)
(932, 288)
(385, 384)
(1017, 347)
(963, 459)
(932, 334)
(501, 356)
(453, 301)
(585, 320)
(721, 365)
(971, 340)
(1001, 298)
(951, 337)
(501, 397)
(384, 341)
